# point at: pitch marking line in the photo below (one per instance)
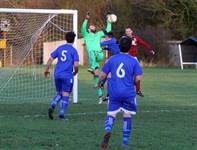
(96, 113)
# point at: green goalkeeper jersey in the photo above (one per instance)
(92, 40)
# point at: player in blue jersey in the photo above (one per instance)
(110, 43)
(68, 58)
(125, 71)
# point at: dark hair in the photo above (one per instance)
(125, 44)
(110, 34)
(70, 37)
(128, 27)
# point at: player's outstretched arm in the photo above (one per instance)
(109, 26)
(145, 45)
(138, 78)
(102, 76)
(107, 29)
(76, 67)
(49, 62)
(84, 25)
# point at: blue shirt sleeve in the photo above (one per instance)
(137, 69)
(106, 67)
(54, 54)
(105, 43)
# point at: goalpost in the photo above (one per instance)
(27, 38)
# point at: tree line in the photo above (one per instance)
(156, 21)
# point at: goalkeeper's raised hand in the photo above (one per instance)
(87, 15)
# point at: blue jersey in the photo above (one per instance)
(66, 55)
(123, 69)
(112, 46)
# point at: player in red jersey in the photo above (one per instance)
(136, 40)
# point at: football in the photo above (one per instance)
(112, 18)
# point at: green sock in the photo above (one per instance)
(99, 91)
(96, 79)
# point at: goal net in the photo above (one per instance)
(27, 37)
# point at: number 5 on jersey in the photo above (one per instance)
(120, 72)
(63, 57)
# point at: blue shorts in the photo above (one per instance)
(64, 84)
(127, 105)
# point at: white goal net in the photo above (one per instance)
(27, 36)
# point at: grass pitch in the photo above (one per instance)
(166, 117)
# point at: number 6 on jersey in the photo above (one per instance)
(120, 72)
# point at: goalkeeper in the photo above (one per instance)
(92, 39)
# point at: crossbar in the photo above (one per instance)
(37, 11)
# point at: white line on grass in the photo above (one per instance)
(22, 100)
(95, 113)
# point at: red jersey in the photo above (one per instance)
(136, 40)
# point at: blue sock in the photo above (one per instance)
(109, 121)
(65, 101)
(127, 126)
(55, 101)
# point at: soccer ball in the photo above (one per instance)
(112, 18)
(5, 25)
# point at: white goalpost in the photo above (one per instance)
(27, 37)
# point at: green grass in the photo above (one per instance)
(166, 117)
